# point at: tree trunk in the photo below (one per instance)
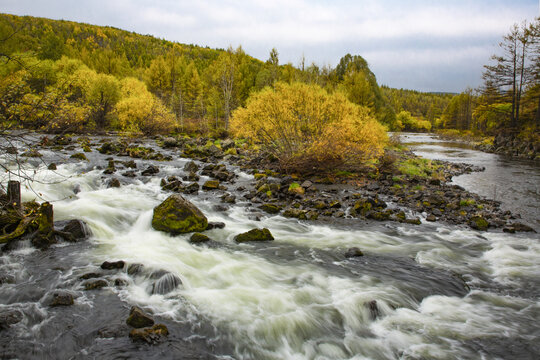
(14, 193)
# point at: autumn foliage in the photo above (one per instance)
(308, 129)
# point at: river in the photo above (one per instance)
(295, 298)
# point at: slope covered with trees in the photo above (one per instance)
(70, 76)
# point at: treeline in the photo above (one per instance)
(71, 76)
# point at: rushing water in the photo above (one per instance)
(295, 298)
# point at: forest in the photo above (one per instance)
(62, 76)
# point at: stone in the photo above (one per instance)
(52, 166)
(151, 335)
(295, 213)
(169, 142)
(114, 265)
(91, 275)
(10, 317)
(150, 170)
(95, 284)
(165, 284)
(478, 223)
(79, 156)
(198, 238)
(135, 269)
(191, 167)
(211, 185)
(270, 208)
(61, 299)
(353, 252)
(431, 218)
(215, 225)
(512, 228)
(113, 183)
(176, 215)
(254, 235)
(78, 230)
(138, 319)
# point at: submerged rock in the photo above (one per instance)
(95, 284)
(78, 230)
(254, 235)
(135, 269)
(113, 265)
(138, 319)
(165, 284)
(61, 298)
(353, 252)
(150, 335)
(176, 215)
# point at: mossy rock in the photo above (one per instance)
(138, 319)
(270, 208)
(478, 223)
(296, 213)
(296, 189)
(254, 235)
(177, 215)
(79, 156)
(211, 185)
(198, 238)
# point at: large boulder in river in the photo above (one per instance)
(177, 215)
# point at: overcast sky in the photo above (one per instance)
(420, 44)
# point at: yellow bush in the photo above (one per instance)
(139, 110)
(308, 129)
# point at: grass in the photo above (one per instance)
(423, 168)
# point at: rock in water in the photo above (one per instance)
(151, 335)
(138, 319)
(177, 215)
(165, 284)
(254, 235)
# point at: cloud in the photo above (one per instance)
(440, 38)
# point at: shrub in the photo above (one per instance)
(308, 129)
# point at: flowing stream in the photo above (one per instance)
(420, 292)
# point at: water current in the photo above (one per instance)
(432, 291)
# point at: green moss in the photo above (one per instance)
(466, 202)
(176, 215)
(254, 235)
(423, 168)
(259, 176)
(478, 223)
(231, 151)
(79, 156)
(295, 188)
(211, 185)
(270, 208)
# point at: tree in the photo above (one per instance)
(102, 95)
(513, 70)
(308, 129)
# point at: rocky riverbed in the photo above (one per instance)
(221, 179)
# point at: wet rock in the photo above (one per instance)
(295, 213)
(12, 150)
(431, 218)
(32, 153)
(211, 185)
(113, 183)
(118, 282)
(353, 252)
(215, 225)
(192, 176)
(228, 199)
(52, 166)
(478, 223)
(165, 284)
(172, 184)
(150, 335)
(129, 174)
(177, 215)
(95, 284)
(270, 208)
(79, 156)
(517, 227)
(220, 207)
(373, 308)
(10, 317)
(198, 238)
(91, 275)
(114, 265)
(130, 164)
(111, 148)
(111, 168)
(135, 269)
(61, 299)
(254, 235)
(192, 188)
(78, 229)
(138, 318)
(169, 142)
(306, 184)
(414, 221)
(150, 170)
(191, 167)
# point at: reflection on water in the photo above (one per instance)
(514, 182)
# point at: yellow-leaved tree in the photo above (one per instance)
(139, 110)
(308, 129)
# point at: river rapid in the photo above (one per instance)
(432, 291)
